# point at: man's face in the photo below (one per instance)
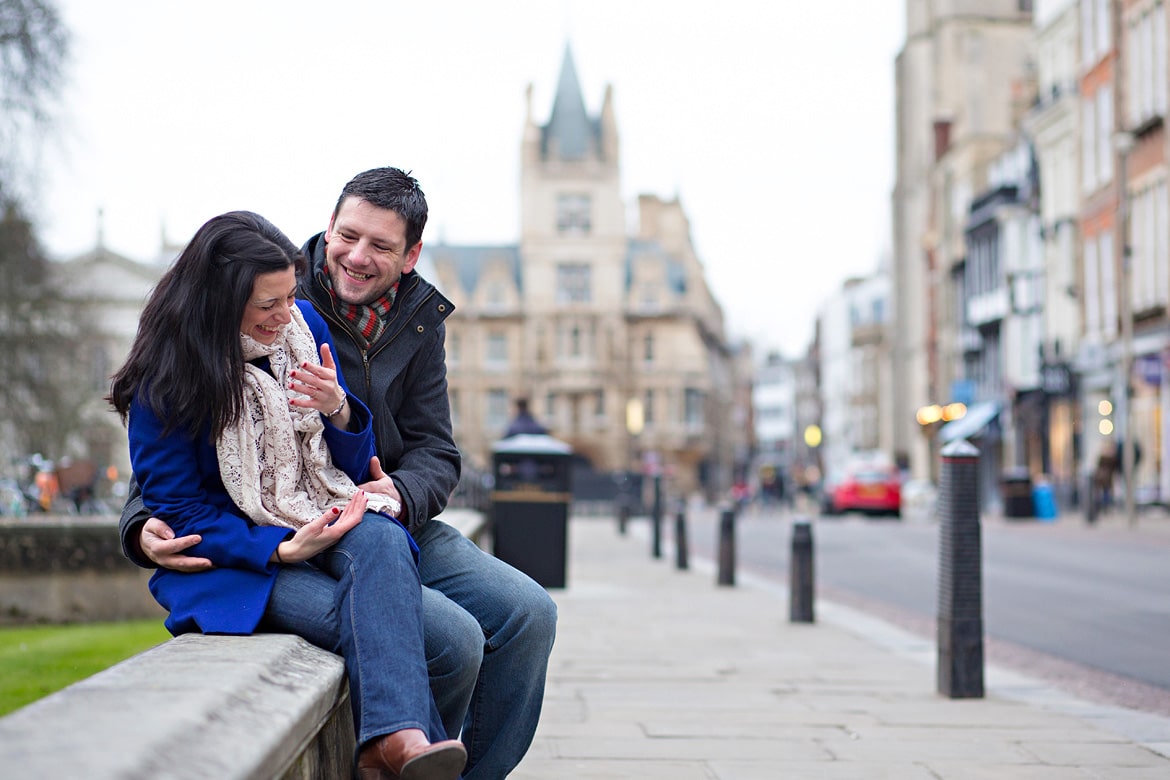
(366, 252)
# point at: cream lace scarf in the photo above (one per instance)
(274, 462)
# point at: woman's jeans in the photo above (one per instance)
(361, 599)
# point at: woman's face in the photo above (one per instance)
(268, 309)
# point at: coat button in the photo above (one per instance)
(442, 307)
(420, 329)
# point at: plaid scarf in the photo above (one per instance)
(368, 320)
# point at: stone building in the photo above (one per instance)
(962, 84)
(112, 289)
(614, 337)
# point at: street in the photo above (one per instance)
(1084, 606)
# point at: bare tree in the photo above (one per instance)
(34, 52)
(48, 344)
(41, 336)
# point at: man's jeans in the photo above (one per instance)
(489, 632)
(361, 599)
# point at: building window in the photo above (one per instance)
(576, 341)
(1147, 66)
(1096, 31)
(1105, 134)
(496, 296)
(454, 348)
(573, 213)
(497, 409)
(497, 351)
(648, 348)
(1088, 147)
(693, 408)
(574, 283)
(648, 408)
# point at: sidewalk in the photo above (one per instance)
(661, 673)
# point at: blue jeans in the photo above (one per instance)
(489, 632)
(361, 599)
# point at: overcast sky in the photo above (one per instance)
(772, 122)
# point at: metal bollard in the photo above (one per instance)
(1091, 500)
(727, 547)
(680, 537)
(656, 517)
(623, 515)
(960, 586)
(801, 582)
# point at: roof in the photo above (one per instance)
(569, 131)
(469, 261)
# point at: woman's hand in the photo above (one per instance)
(322, 533)
(322, 390)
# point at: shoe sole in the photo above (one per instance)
(439, 764)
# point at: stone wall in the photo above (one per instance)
(67, 570)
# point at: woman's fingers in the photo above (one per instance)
(327, 358)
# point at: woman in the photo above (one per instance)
(238, 434)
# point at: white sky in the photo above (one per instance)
(771, 121)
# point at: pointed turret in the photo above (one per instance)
(570, 134)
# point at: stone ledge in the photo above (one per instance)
(263, 706)
(255, 707)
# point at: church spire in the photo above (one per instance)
(569, 134)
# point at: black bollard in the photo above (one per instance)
(623, 514)
(960, 586)
(1091, 501)
(801, 581)
(656, 517)
(727, 547)
(680, 537)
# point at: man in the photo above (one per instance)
(523, 422)
(489, 628)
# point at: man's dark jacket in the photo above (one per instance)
(402, 378)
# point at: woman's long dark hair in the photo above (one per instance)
(186, 363)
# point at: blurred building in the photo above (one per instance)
(1032, 239)
(591, 322)
(962, 84)
(774, 399)
(111, 290)
(854, 368)
(1053, 126)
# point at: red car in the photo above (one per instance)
(873, 488)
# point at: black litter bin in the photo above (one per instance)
(530, 506)
(1016, 485)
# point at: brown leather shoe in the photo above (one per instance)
(406, 755)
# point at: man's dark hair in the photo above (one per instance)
(390, 188)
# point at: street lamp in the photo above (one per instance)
(1123, 142)
(635, 422)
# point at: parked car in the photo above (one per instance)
(863, 486)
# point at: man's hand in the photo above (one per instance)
(159, 544)
(379, 482)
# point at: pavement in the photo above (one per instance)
(659, 672)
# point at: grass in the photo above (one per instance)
(38, 660)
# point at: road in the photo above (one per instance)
(1087, 607)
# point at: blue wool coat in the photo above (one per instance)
(180, 482)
